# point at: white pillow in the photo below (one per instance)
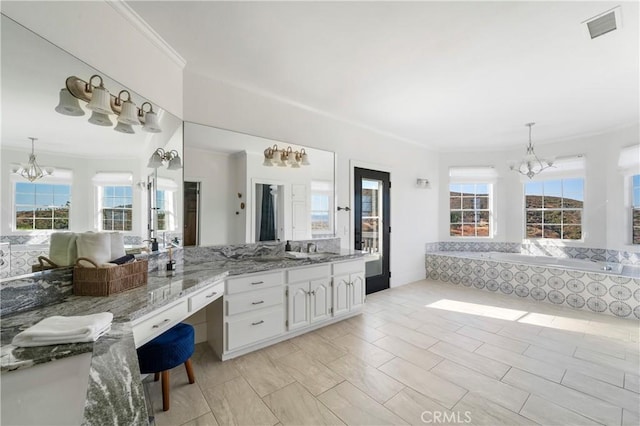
(95, 246)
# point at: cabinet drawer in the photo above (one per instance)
(153, 326)
(255, 328)
(348, 267)
(308, 274)
(206, 296)
(253, 300)
(254, 282)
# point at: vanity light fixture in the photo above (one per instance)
(102, 104)
(160, 156)
(281, 157)
(32, 171)
(531, 165)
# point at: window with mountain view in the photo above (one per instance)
(116, 208)
(635, 209)
(553, 209)
(41, 206)
(470, 210)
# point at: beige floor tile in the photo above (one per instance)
(442, 391)
(355, 407)
(480, 411)
(186, 403)
(494, 339)
(532, 365)
(415, 355)
(588, 406)
(369, 353)
(235, 403)
(632, 382)
(463, 342)
(368, 319)
(374, 383)
(391, 317)
(364, 331)
(204, 420)
(415, 408)
(601, 390)
(280, 349)
(262, 373)
(410, 336)
(493, 390)
(318, 347)
(293, 405)
(210, 371)
(606, 374)
(630, 418)
(559, 346)
(483, 323)
(545, 412)
(333, 331)
(485, 365)
(309, 372)
(432, 318)
(620, 364)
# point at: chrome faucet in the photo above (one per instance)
(309, 245)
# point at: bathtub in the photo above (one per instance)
(550, 262)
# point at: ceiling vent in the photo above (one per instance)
(604, 23)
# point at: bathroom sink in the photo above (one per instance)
(300, 255)
(53, 393)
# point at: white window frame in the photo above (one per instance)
(474, 175)
(58, 177)
(170, 189)
(105, 179)
(633, 207)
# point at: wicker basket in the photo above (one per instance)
(105, 281)
(41, 265)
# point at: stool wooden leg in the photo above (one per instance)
(165, 390)
(156, 377)
(189, 368)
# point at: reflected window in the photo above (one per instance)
(321, 208)
(470, 210)
(166, 204)
(635, 209)
(41, 206)
(116, 208)
(554, 208)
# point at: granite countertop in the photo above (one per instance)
(113, 390)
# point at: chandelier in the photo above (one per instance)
(281, 157)
(531, 165)
(32, 171)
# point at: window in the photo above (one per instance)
(321, 208)
(117, 208)
(635, 209)
(553, 209)
(166, 204)
(41, 206)
(470, 210)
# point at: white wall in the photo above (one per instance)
(414, 212)
(96, 33)
(606, 218)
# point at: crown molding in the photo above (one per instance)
(141, 25)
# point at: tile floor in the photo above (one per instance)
(426, 353)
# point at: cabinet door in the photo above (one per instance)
(298, 305)
(357, 289)
(341, 290)
(320, 299)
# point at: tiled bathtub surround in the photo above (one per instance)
(539, 249)
(594, 292)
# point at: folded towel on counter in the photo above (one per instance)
(124, 259)
(117, 245)
(60, 330)
(95, 246)
(62, 248)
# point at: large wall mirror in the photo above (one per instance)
(97, 179)
(233, 196)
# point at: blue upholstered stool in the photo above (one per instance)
(170, 349)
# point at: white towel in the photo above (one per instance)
(117, 245)
(62, 248)
(95, 246)
(59, 330)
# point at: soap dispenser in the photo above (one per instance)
(287, 247)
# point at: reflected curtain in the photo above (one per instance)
(267, 219)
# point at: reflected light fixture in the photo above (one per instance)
(32, 171)
(103, 104)
(281, 157)
(160, 156)
(531, 164)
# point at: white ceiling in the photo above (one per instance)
(449, 75)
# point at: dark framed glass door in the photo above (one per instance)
(372, 225)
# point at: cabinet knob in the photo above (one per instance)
(162, 323)
(313, 292)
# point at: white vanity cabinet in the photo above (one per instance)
(261, 309)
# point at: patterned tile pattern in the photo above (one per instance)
(594, 292)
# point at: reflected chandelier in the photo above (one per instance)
(32, 171)
(531, 165)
